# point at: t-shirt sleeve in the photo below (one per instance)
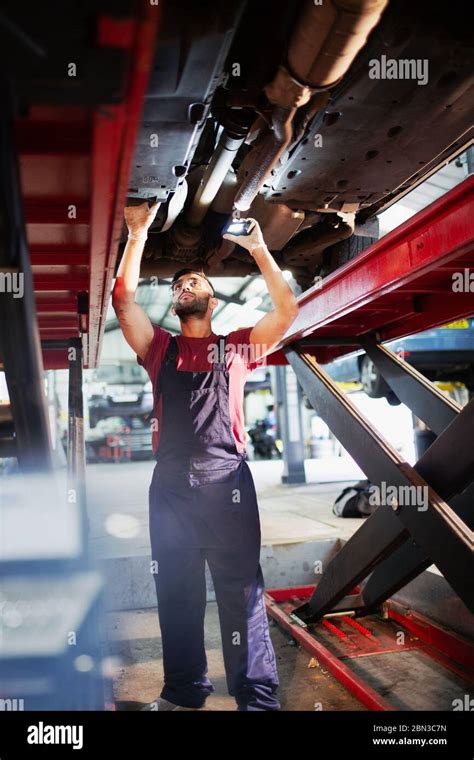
(239, 342)
(155, 353)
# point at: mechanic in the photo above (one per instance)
(203, 504)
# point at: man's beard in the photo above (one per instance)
(196, 306)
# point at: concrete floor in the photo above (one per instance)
(134, 638)
(118, 509)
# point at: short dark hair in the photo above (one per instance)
(180, 273)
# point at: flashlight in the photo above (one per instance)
(239, 227)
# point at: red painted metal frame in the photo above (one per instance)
(74, 167)
(111, 165)
(400, 285)
(298, 592)
(450, 644)
(449, 650)
(362, 691)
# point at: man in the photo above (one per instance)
(203, 504)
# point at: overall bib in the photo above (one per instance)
(203, 507)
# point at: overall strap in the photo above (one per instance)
(171, 353)
(170, 357)
(220, 365)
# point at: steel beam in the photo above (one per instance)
(114, 135)
(289, 402)
(407, 562)
(435, 529)
(19, 337)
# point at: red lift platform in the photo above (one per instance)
(74, 168)
(67, 136)
(400, 285)
(351, 650)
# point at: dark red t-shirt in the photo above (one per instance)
(198, 355)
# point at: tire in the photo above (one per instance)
(373, 383)
(340, 253)
(393, 399)
(371, 379)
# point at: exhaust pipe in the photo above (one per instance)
(213, 178)
(324, 43)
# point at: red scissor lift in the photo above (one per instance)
(64, 181)
(400, 285)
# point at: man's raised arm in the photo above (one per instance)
(134, 322)
(268, 332)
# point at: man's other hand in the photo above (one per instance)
(251, 241)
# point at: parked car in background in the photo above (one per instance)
(119, 389)
(119, 439)
(443, 354)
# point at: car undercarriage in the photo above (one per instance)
(309, 117)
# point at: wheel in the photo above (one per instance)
(372, 381)
(393, 399)
(340, 253)
(374, 384)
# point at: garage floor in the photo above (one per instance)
(134, 637)
(118, 509)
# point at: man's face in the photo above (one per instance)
(191, 295)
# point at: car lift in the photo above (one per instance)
(64, 169)
(400, 285)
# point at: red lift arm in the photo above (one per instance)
(74, 166)
(400, 285)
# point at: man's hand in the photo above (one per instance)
(268, 332)
(134, 321)
(251, 241)
(139, 218)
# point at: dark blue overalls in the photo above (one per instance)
(203, 506)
